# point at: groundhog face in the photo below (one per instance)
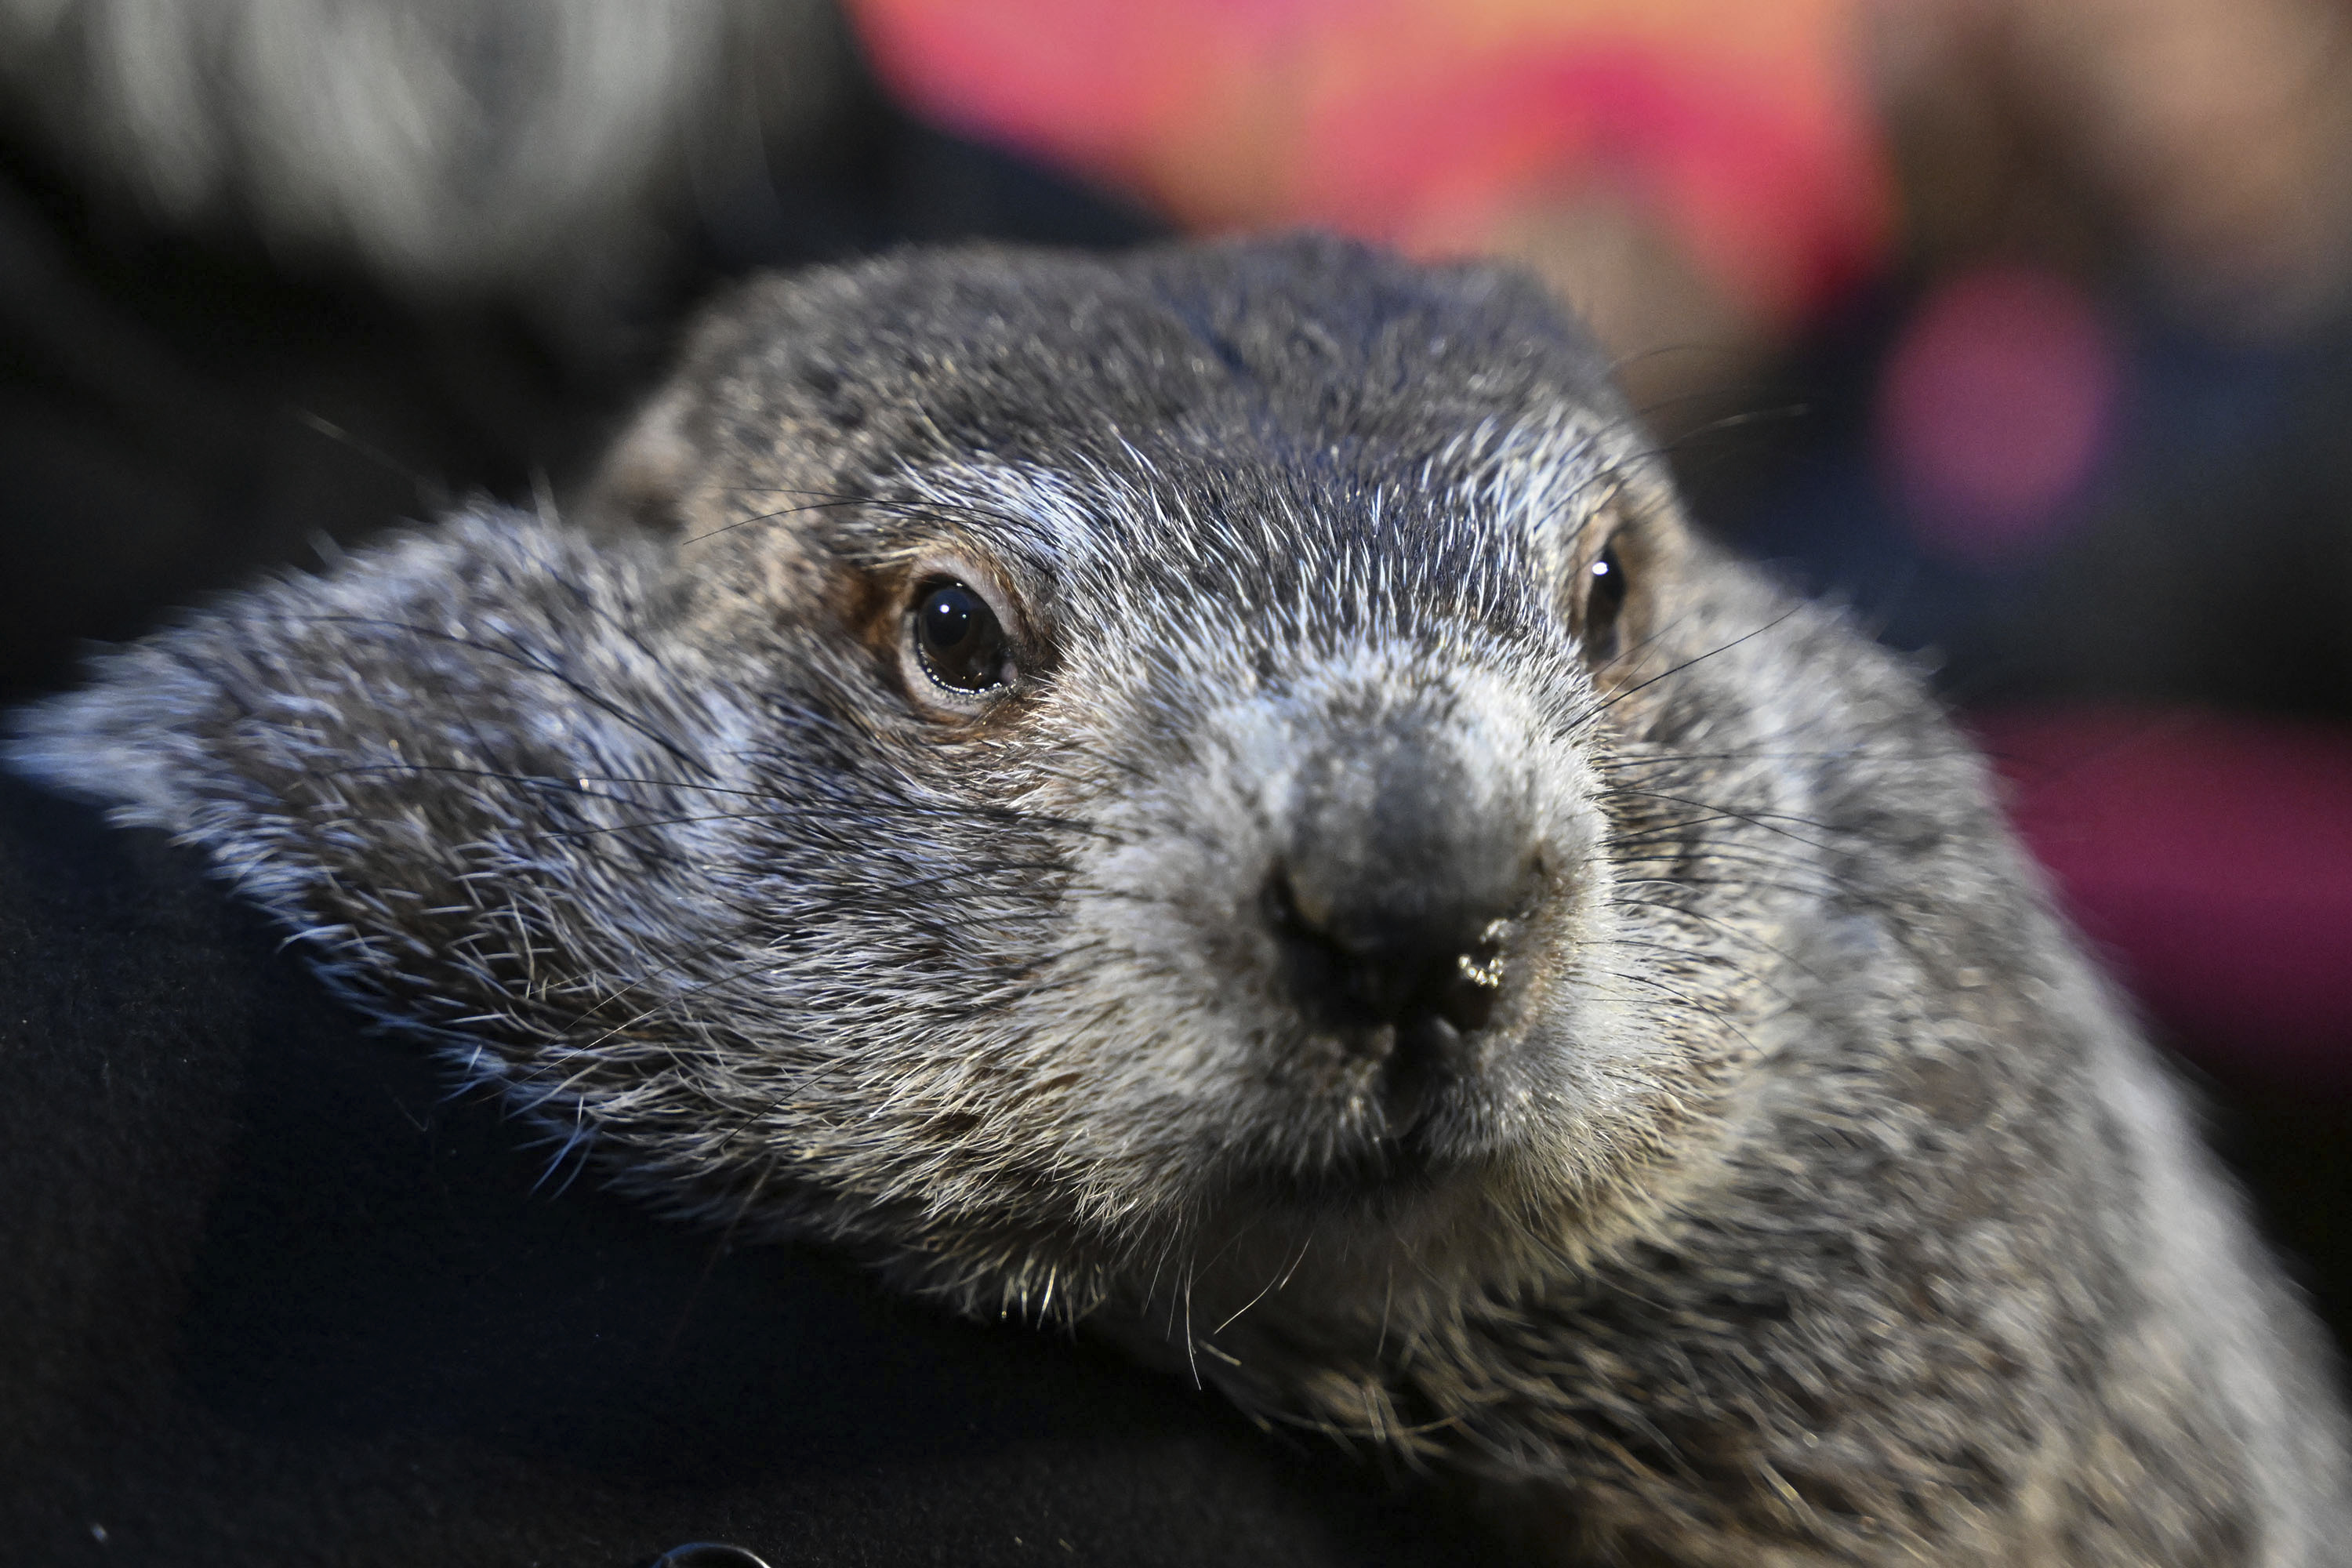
(1238, 841)
(1217, 723)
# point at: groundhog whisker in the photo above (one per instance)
(1747, 938)
(1634, 758)
(1621, 694)
(1745, 886)
(1768, 820)
(1712, 1014)
(822, 503)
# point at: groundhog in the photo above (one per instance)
(1213, 795)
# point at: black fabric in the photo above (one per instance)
(273, 1296)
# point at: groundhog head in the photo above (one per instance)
(1060, 771)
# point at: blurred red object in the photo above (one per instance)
(1742, 130)
(2210, 857)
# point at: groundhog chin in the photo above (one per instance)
(1400, 1104)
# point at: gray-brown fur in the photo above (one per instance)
(1805, 1197)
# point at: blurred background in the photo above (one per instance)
(2022, 326)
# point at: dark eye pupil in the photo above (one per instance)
(1604, 597)
(961, 644)
(1608, 578)
(948, 616)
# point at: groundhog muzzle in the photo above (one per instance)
(1212, 794)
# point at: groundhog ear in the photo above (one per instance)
(641, 486)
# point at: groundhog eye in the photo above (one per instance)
(1604, 598)
(961, 644)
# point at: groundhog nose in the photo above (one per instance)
(1361, 966)
(1392, 899)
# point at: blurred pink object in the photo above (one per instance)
(1995, 411)
(2210, 856)
(1741, 129)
